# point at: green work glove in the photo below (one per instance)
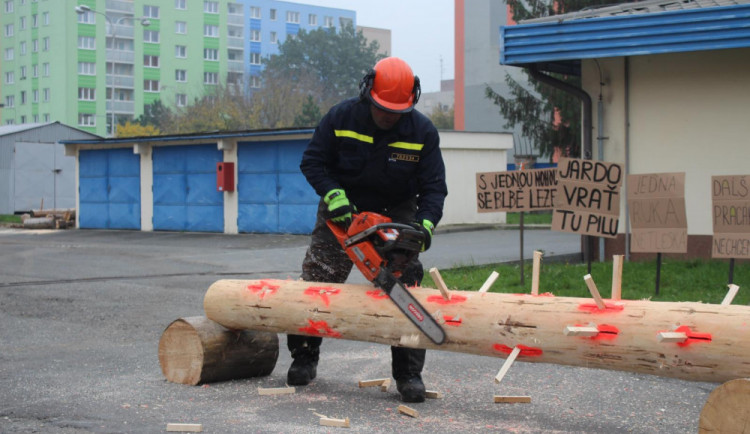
(426, 227)
(339, 208)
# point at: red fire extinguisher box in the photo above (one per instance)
(224, 176)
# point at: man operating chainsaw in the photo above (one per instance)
(372, 153)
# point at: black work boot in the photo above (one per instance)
(305, 353)
(411, 389)
(407, 366)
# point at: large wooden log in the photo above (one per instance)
(196, 350)
(715, 347)
(727, 409)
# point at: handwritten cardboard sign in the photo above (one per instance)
(588, 197)
(656, 203)
(518, 190)
(731, 216)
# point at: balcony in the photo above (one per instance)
(121, 107)
(120, 81)
(124, 30)
(120, 56)
(235, 66)
(235, 43)
(235, 19)
(120, 6)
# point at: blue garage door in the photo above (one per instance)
(109, 189)
(274, 196)
(185, 195)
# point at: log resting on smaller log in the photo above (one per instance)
(716, 347)
(196, 350)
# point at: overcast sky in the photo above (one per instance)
(421, 32)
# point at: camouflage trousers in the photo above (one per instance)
(326, 261)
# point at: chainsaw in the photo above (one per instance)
(381, 249)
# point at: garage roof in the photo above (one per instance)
(557, 43)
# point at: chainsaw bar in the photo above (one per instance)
(409, 306)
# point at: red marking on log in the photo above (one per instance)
(544, 294)
(377, 294)
(525, 351)
(606, 332)
(593, 308)
(455, 299)
(323, 292)
(692, 337)
(320, 328)
(452, 320)
(263, 288)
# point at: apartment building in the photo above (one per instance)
(94, 63)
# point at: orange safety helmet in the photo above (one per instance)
(391, 86)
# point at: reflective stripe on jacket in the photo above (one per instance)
(377, 169)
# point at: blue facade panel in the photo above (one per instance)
(272, 192)
(185, 195)
(109, 189)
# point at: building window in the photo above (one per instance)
(180, 51)
(10, 77)
(150, 85)
(9, 6)
(181, 100)
(86, 43)
(46, 117)
(151, 36)
(272, 15)
(22, 48)
(255, 58)
(35, 70)
(254, 81)
(45, 18)
(23, 73)
(254, 12)
(86, 120)
(210, 78)
(10, 101)
(23, 98)
(35, 96)
(45, 43)
(86, 94)
(87, 17)
(180, 27)
(34, 21)
(23, 119)
(211, 31)
(9, 54)
(36, 119)
(292, 17)
(45, 69)
(328, 22)
(9, 30)
(151, 11)
(22, 23)
(85, 68)
(180, 4)
(312, 20)
(211, 7)
(150, 61)
(210, 54)
(35, 45)
(274, 38)
(234, 32)
(45, 94)
(180, 75)
(255, 35)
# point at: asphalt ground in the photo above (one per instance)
(82, 311)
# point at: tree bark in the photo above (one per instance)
(196, 350)
(715, 348)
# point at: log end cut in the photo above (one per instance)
(727, 409)
(196, 350)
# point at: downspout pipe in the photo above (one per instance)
(587, 130)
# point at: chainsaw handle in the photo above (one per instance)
(372, 229)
